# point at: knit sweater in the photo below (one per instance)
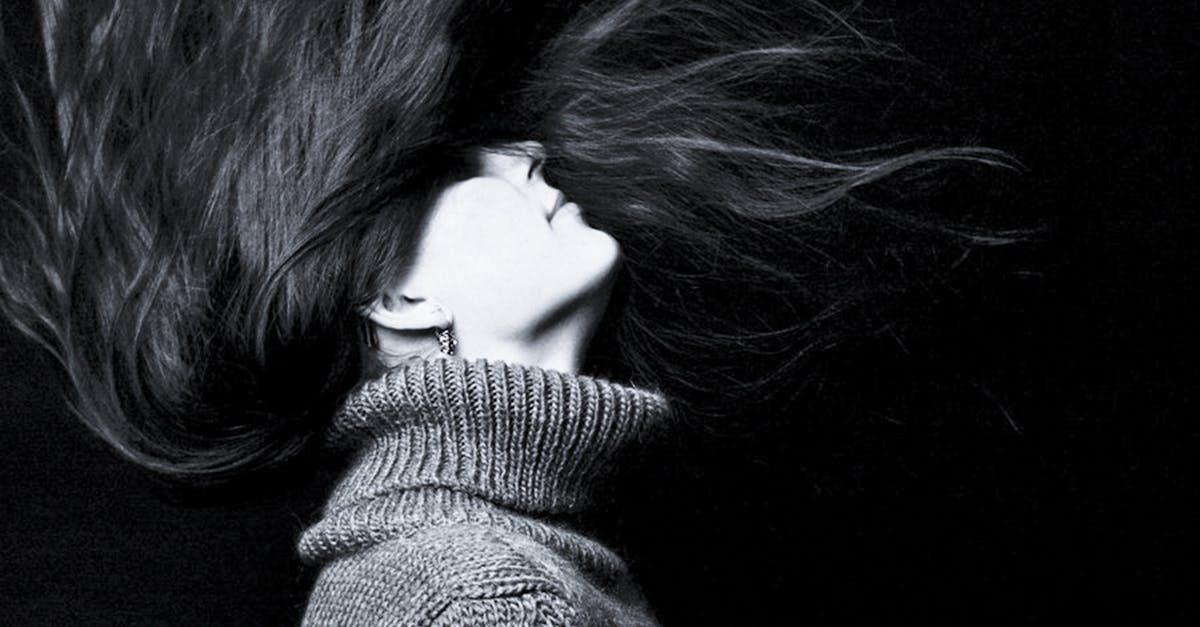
(456, 506)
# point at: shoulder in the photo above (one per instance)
(451, 575)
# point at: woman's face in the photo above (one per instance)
(512, 259)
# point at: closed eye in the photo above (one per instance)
(536, 165)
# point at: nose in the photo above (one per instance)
(525, 172)
(552, 197)
(549, 196)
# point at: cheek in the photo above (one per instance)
(488, 240)
(484, 252)
(492, 257)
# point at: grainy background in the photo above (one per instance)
(943, 512)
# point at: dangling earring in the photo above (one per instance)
(446, 340)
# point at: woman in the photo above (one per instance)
(252, 230)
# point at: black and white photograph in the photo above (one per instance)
(598, 312)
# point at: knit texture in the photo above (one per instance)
(455, 508)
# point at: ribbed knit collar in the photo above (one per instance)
(520, 436)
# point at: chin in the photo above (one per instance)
(604, 261)
(591, 270)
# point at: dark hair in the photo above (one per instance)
(222, 184)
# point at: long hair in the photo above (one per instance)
(212, 189)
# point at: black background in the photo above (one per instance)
(1045, 464)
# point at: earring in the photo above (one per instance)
(446, 340)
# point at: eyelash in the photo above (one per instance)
(537, 164)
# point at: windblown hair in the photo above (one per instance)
(214, 187)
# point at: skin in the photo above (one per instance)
(510, 264)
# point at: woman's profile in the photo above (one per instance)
(486, 267)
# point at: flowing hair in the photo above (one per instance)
(207, 191)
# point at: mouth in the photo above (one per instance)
(559, 200)
(567, 209)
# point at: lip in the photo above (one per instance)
(560, 199)
(567, 209)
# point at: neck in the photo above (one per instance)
(560, 350)
(558, 341)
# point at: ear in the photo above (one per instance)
(408, 314)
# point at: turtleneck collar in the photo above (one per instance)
(519, 436)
